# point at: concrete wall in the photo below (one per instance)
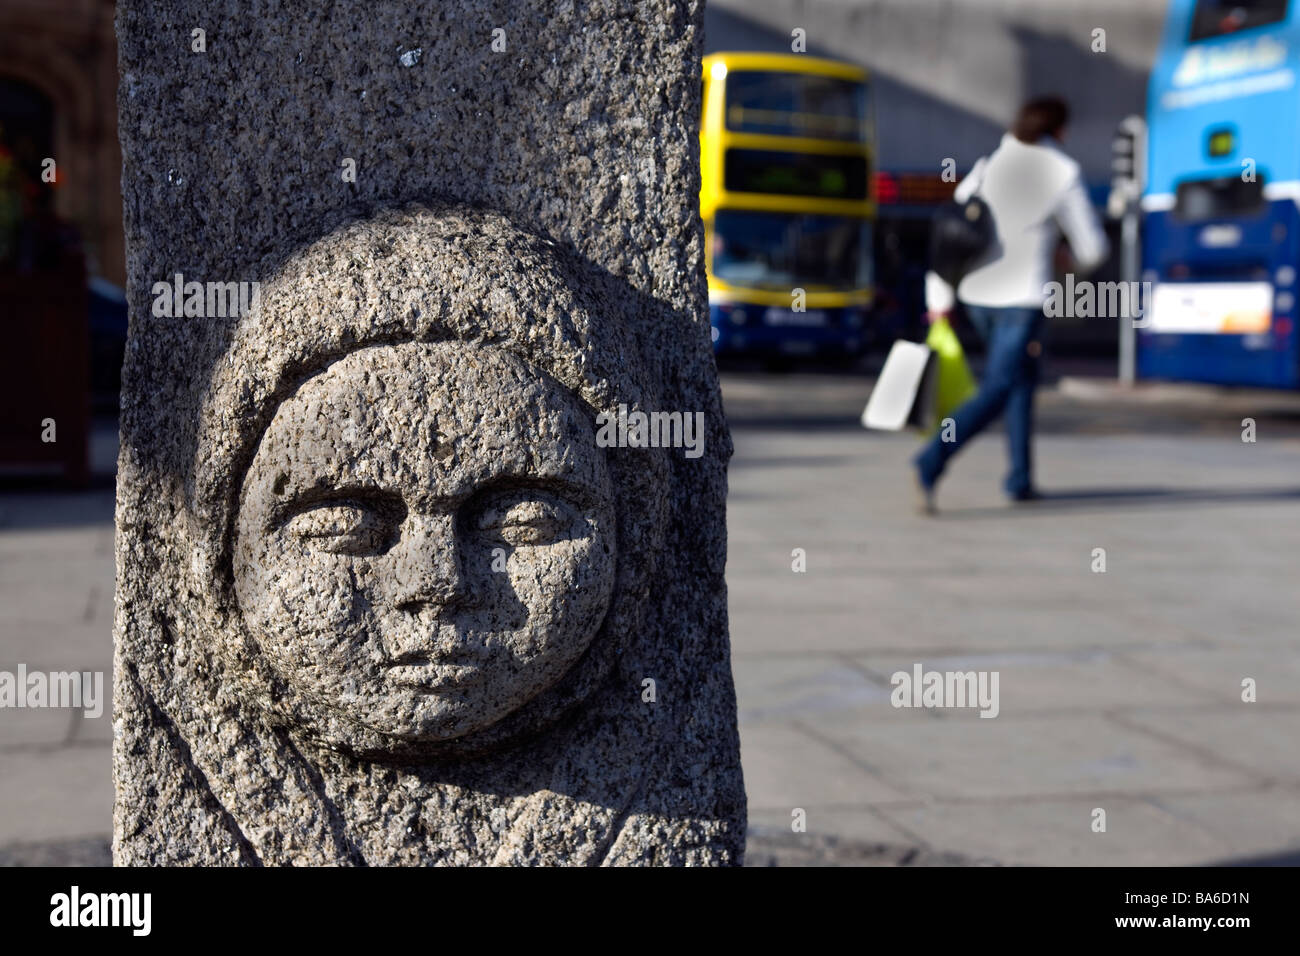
(950, 73)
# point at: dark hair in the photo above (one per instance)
(1045, 116)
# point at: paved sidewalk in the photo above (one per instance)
(1119, 690)
(56, 614)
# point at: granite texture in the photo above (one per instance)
(382, 596)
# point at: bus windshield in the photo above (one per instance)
(796, 104)
(1216, 18)
(1226, 197)
(788, 250)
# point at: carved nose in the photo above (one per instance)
(428, 569)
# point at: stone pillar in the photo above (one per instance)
(421, 495)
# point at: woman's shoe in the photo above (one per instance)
(924, 497)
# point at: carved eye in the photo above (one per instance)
(343, 528)
(524, 520)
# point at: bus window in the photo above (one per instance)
(1216, 18)
(777, 250)
(796, 104)
(1228, 197)
(795, 174)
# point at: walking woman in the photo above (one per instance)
(1036, 193)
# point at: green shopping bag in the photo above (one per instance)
(949, 381)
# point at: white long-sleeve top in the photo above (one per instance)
(1035, 192)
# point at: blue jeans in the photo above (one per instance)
(1010, 376)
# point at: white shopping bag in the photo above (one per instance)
(901, 388)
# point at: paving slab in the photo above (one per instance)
(1249, 824)
(1258, 739)
(1059, 832)
(1217, 672)
(787, 768)
(1083, 680)
(56, 793)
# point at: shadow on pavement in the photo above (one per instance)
(27, 510)
(1097, 499)
(1279, 859)
(83, 851)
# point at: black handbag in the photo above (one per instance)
(961, 234)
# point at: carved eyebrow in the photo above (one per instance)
(577, 492)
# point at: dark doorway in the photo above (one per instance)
(26, 136)
(44, 343)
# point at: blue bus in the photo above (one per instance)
(1222, 201)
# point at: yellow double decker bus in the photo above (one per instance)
(786, 157)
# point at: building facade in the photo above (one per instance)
(58, 100)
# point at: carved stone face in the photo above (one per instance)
(426, 538)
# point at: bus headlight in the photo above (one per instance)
(1285, 275)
